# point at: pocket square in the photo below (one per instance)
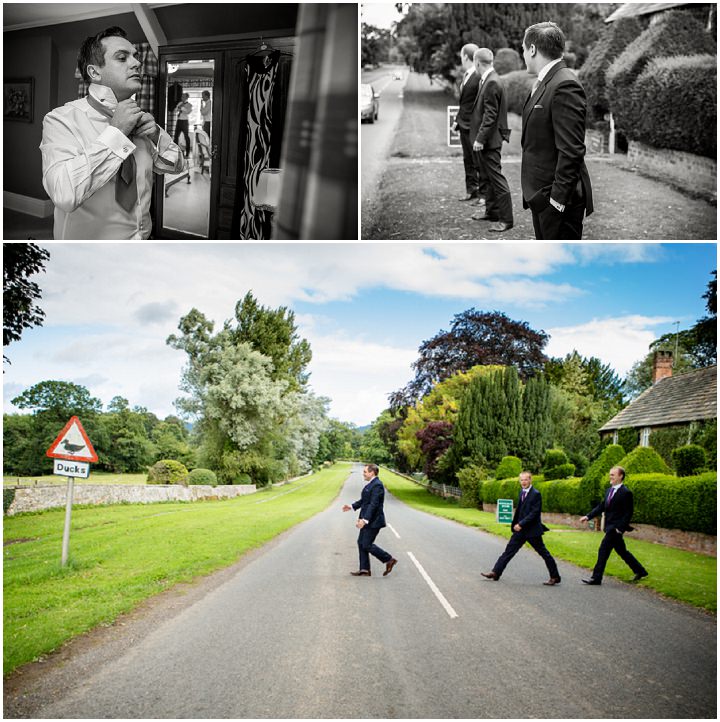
(537, 106)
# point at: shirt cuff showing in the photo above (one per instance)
(117, 142)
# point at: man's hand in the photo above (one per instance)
(477, 146)
(583, 519)
(126, 116)
(517, 527)
(347, 507)
(147, 128)
(360, 523)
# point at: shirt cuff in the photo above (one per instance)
(117, 142)
(557, 206)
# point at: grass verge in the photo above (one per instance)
(681, 575)
(96, 477)
(121, 555)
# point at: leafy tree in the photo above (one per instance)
(435, 439)
(129, 449)
(587, 377)
(336, 441)
(61, 398)
(375, 44)
(20, 261)
(372, 447)
(536, 430)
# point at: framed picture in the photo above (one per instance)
(18, 99)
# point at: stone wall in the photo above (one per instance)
(39, 498)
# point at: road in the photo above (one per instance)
(292, 635)
(376, 138)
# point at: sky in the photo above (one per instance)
(381, 15)
(365, 308)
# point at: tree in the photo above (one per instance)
(372, 448)
(475, 338)
(61, 398)
(20, 261)
(585, 376)
(435, 439)
(536, 430)
(374, 44)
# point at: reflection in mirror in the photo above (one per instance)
(188, 100)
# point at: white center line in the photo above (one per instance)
(432, 585)
(392, 529)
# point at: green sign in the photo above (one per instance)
(504, 511)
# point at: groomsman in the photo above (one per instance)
(468, 92)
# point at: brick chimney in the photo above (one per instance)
(662, 365)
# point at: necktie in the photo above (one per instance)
(610, 495)
(522, 496)
(125, 182)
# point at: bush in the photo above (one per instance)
(628, 438)
(596, 475)
(706, 436)
(518, 85)
(674, 33)
(507, 60)
(562, 495)
(204, 477)
(644, 460)
(689, 460)
(470, 478)
(678, 98)
(8, 499)
(494, 489)
(562, 471)
(581, 462)
(553, 458)
(664, 441)
(168, 471)
(689, 503)
(509, 467)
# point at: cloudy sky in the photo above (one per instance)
(364, 308)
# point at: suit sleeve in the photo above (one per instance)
(568, 112)
(491, 108)
(372, 507)
(628, 507)
(599, 509)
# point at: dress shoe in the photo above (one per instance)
(469, 197)
(389, 567)
(592, 582)
(362, 573)
(482, 216)
(490, 575)
(500, 227)
(639, 576)
(552, 581)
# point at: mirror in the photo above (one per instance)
(189, 110)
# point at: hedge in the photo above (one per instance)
(563, 495)
(597, 475)
(508, 467)
(677, 100)
(168, 471)
(689, 460)
(204, 477)
(507, 60)
(518, 85)
(562, 471)
(644, 460)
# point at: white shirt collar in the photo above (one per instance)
(546, 69)
(104, 94)
(486, 73)
(524, 491)
(616, 486)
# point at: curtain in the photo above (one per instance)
(319, 195)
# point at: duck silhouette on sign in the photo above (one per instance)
(71, 448)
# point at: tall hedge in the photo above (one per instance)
(674, 33)
(677, 98)
(563, 495)
(644, 460)
(597, 475)
(616, 36)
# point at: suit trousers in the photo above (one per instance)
(367, 546)
(551, 225)
(614, 540)
(472, 179)
(513, 547)
(498, 201)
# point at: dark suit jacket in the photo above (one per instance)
(489, 113)
(468, 92)
(618, 513)
(553, 143)
(527, 514)
(371, 504)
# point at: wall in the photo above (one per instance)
(50, 497)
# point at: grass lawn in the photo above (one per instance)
(678, 574)
(96, 477)
(121, 555)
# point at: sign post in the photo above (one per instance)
(72, 445)
(504, 511)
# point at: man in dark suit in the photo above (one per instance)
(527, 527)
(468, 91)
(618, 508)
(488, 129)
(555, 182)
(370, 521)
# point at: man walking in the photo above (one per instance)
(527, 527)
(488, 130)
(370, 521)
(555, 182)
(468, 92)
(100, 153)
(618, 508)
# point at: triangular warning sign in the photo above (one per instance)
(72, 444)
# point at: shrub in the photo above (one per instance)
(562, 471)
(644, 460)
(562, 495)
(665, 440)
(706, 436)
(678, 98)
(581, 462)
(204, 477)
(168, 471)
(689, 460)
(507, 60)
(674, 33)
(553, 458)
(628, 438)
(8, 499)
(494, 489)
(596, 475)
(509, 467)
(470, 478)
(518, 85)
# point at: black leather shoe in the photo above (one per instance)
(552, 581)
(639, 576)
(490, 575)
(500, 227)
(389, 567)
(592, 582)
(362, 573)
(469, 197)
(482, 216)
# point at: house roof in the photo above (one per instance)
(691, 396)
(629, 10)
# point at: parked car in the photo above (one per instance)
(397, 75)
(369, 103)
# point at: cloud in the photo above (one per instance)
(157, 312)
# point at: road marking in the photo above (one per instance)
(433, 586)
(390, 526)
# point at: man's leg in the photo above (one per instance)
(502, 200)
(538, 545)
(512, 548)
(471, 176)
(627, 557)
(362, 550)
(606, 546)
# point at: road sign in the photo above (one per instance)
(453, 136)
(72, 444)
(79, 469)
(504, 511)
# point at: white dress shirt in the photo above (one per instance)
(81, 155)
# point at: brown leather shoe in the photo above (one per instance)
(389, 566)
(552, 581)
(490, 575)
(362, 573)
